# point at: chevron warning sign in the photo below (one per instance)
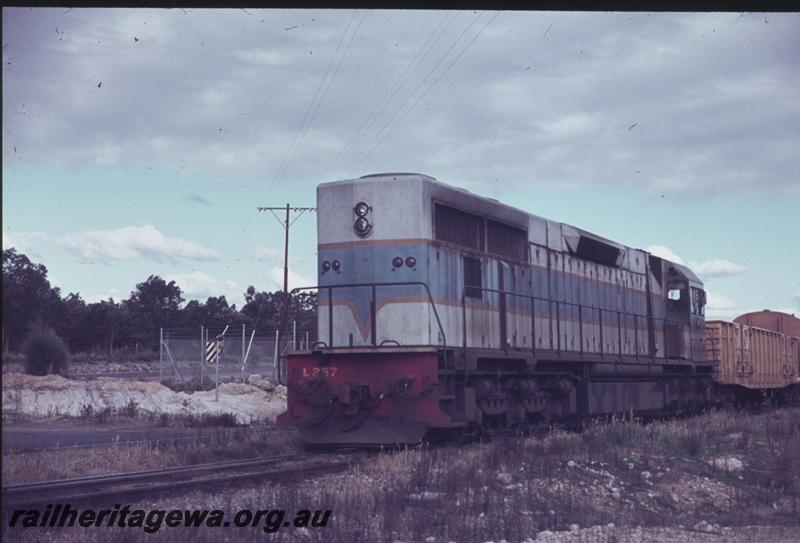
(213, 350)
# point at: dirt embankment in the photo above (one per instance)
(53, 395)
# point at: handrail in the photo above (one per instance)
(533, 299)
(373, 301)
(581, 311)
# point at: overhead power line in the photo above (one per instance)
(391, 91)
(452, 63)
(360, 156)
(312, 106)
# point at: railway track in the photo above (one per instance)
(110, 489)
(99, 442)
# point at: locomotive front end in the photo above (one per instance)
(377, 397)
(372, 378)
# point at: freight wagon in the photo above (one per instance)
(754, 361)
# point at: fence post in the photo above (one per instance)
(160, 354)
(275, 359)
(202, 356)
(243, 352)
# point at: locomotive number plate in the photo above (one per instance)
(328, 371)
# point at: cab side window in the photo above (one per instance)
(698, 301)
(677, 296)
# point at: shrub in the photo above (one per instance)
(101, 416)
(227, 420)
(130, 410)
(693, 441)
(44, 353)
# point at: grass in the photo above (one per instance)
(654, 475)
(512, 488)
(76, 462)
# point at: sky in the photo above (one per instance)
(142, 141)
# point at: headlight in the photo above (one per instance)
(397, 261)
(336, 265)
(362, 227)
(361, 209)
(411, 261)
(326, 266)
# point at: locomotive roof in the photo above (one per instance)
(498, 210)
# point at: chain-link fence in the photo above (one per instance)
(185, 353)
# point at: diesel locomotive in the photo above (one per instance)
(440, 311)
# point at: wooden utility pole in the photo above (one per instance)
(286, 224)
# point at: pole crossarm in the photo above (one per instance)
(286, 208)
(283, 208)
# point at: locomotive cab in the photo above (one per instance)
(684, 324)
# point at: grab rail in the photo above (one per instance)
(581, 310)
(373, 314)
(373, 306)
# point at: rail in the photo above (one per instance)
(147, 483)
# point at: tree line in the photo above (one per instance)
(30, 302)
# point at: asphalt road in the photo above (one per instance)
(36, 438)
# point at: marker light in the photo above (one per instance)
(361, 209)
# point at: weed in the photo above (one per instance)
(693, 442)
(130, 410)
(87, 410)
(102, 416)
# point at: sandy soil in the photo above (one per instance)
(53, 395)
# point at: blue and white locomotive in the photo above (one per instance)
(440, 310)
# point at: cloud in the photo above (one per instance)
(573, 125)
(97, 297)
(716, 268)
(196, 198)
(199, 285)
(295, 280)
(718, 301)
(664, 252)
(264, 253)
(725, 86)
(720, 307)
(133, 243)
(27, 243)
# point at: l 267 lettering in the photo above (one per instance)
(328, 371)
